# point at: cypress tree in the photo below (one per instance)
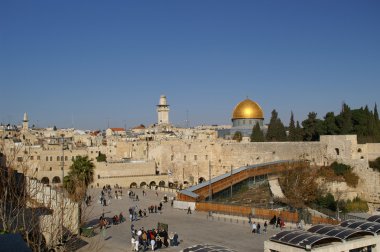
(292, 129)
(257, 134)
(276, 129)
(345, 122)
(376, 114)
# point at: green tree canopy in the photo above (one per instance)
(312, 127)
(329, 126)
(81, 174)
(344, 120)
(257, 134)
(292, 129)
(238, 136)
(276, 129)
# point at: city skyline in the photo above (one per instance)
(90, 65)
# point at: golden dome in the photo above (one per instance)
(248, 109)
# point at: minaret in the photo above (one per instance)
(163, 111)
(25, 122)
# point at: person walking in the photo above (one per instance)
(189, 210)
(258, 228)
(254, 227)
(265, 226)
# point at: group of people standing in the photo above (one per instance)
(153, 239)
(277, 222)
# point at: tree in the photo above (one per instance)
(292, 129)
(299, 187)
(377, 124)
(81, 174)
(276, 129)
(299, 132)
(345, 120)
(101, 157)
(312, 127)
(329, 124)
(257, 134)
(376, 114)
(238, 136)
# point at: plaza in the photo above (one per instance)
(192, 229)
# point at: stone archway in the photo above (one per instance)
(133, 185)
(152, 184)
(142, 185)
(171, 185)
(56, 180)
(45, 180)
(201, 180)
(161, 183)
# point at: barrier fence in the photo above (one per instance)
(261, 213)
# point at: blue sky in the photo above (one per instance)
(94, 62)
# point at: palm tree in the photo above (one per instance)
(80, 176)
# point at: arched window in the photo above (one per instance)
(56, 180)
(45, 180)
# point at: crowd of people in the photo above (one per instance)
(152, 239)
(141, 239)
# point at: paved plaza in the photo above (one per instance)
(194, 230)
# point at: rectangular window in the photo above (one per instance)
(195, 157)
(58, 158)
(184, 158)
(65, 158)
(206, 157)
(51, 158)
(38, 157)
(31, 157)
(47, 158)
(19, 159)
(172, 158)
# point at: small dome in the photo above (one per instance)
(248, 109)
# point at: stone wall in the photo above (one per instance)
(373, 150)
(64, 211)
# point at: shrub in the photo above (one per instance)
(326, 201)
(340, 169)
(101, 157)
(351, 178)
(346, 172)
(356, 205)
